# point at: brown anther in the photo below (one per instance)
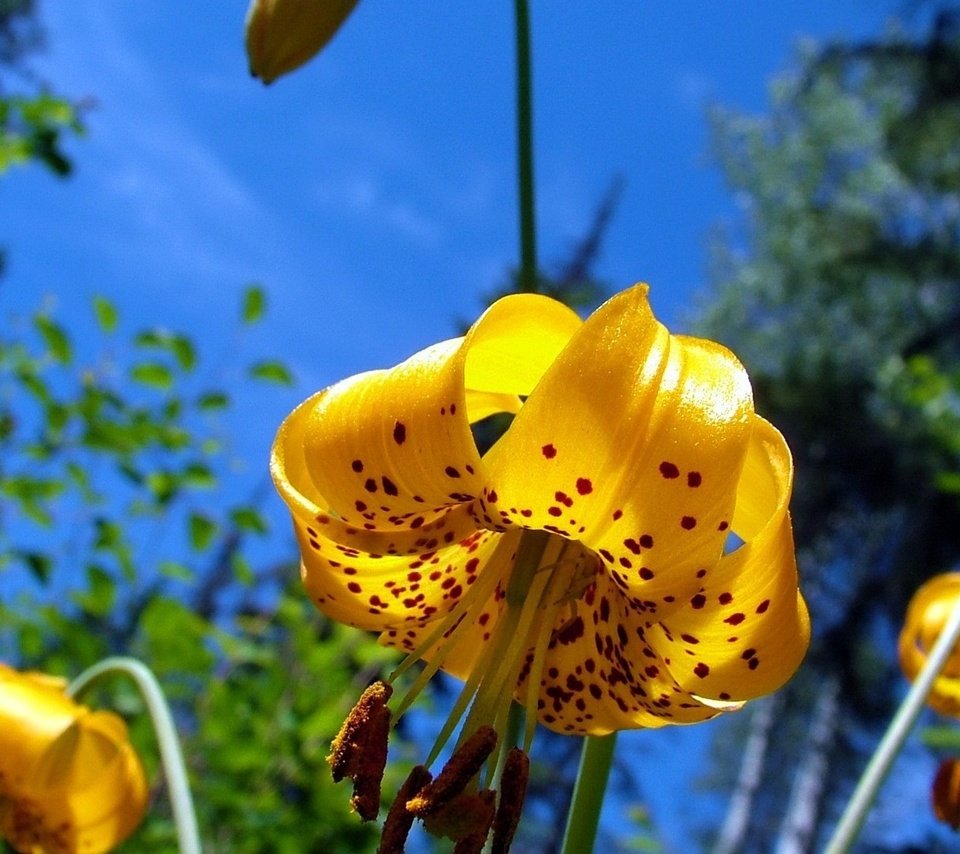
(397, 826)
(467, 816)
(451, 781)
(513, 788)
(359, 750)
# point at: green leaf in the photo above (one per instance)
(152, 374)
(106, 313)
(213, 400)
(38, 563)
(254, 304)
(184, 352)
(177, 571)
(248, 519)
(101, 593)
(202, 531)
(198, 476)
(272, 371)
(54, 337)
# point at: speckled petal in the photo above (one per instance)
(382, 447)
(632, 443)
(745, 631)
(600, 674)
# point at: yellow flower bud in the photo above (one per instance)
(283, 34)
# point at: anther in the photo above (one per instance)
(360, 749)
(451, 781)
(399, 820)
(465, 819)
(513, 788)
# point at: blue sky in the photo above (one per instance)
(373, 191)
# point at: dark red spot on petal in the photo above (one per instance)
(617, 514)
(669, 470)
(723, 526)
(645, 573)
(735, 619)
(451, 472)
(725, 598)
(702, 670)
(389, 486)
(370, 485)
(688, 523)
(554, 511)
(646, 541)
(399, 433)
(548, 451)
(762, 607)
(357, 466)
(698, 601)
(353, 587)
(694, 479)
(584, 486)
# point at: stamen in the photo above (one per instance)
(399, 820)
(459, 770)
(454, 623)
(359, 750)
(561, 582)
(466, 820)
(513, 788)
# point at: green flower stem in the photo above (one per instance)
(588, 792)
(528, 227)
(856, 812)
(171, 756)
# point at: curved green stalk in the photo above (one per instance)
(854, 815)
(528, 227)
(592, 775)
(171, 756)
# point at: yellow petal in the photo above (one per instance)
(33, 714)
(927, 616)
(383, 592)
(282, 35)
(746, 629)
(600, 674)
(81, 790)
(631, 443)
(398, 441)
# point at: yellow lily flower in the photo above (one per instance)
(927, 615)
(581, 565)
(281, 35)
(69, 779)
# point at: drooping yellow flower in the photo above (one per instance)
(582, 565)
(69, 779)
(927, 615)
(282, 35)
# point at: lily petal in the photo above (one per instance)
(745, 631)
(632, 443)
(600, 674)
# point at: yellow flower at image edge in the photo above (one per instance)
(69, 779)
(927, 616)
(281, 35)
(582, 565)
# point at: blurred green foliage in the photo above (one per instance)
(122, 532)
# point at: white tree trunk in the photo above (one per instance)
(737, 819)
(800, 822)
